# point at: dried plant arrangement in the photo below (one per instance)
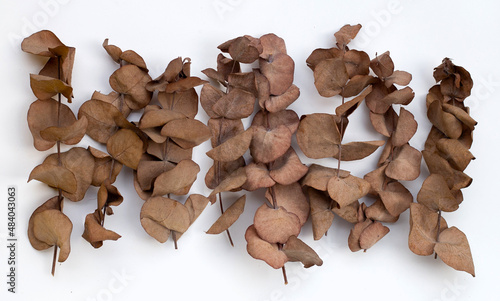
(275, 166)
(446, 155)
(346, 72)
(52, 122)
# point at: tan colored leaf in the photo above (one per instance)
(377, 179)
(102, 168)
(402, 97)
(161, 215)
(177, 180)
(321, 215)
(355, 234)
(94, 233)
(133, 58)
(276, 225)
(453, 248)
(330, 76)
(424, 229)
(378, 212)
(126, 147)
(269, 145)
(221, 170)
(318, 176)
(54, 228)
(169, 151)
(243, 80)
(291, 198)
(158, 117)
(195, 204)
(405, 129)
(52, 203)
(108, 195)
(372, 234)
(357, 63)
(357, 84)
(271, 45)
(113, 51)
(278, 69)
(257, 177)
(444, 121)
(55, 176)
(382, 65)
(406, 164)
(149, 170)
(347, 190)
(60, 65)
(42, 114)
(348, 213)
(232, 148)
(320, 54)
(346, 34)
(385, 123)
(131, 81)
(436, 195)
(41, 42)
(271, 121)
(184, 84)
(318, 136)
(263, 250)
(281, 102)
(242, 50)
(396, 198)
(288, 168)
(358, 150)
(185, 102)
(296, 250)
(461, 115)
(44, 87)
(262, 88)
(69, 135)
(348, 107)
(187, 133)
(401, 78)
(237, 104)
(455, 153)
(228, 217)
(233, 181)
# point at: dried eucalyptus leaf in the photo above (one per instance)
(187, 133)
(242, 50)
(405, 165)
(177, 180)
(358, 150)
(396, 198)
(296, 250)
(357, 63)
(228, 217)
(445, 122)
(233, 148)
(281, 102)
(53, 228)
(263, 250)
(208, 97)
(149, 170)
(221, 170)
(233, 181)
(115, 99)
(436, 195)
(269, 145)
(52, 203)
(357, 84)
(44, 87)
(169, 151)
(158, 117)
(378, 212)
(321, 215)
(288, 168)
(113, 51)
(385, 123)
(271, 121)
(131, 81)
(382, 65)
(346, 34)
(372, 234)
(318, 136)
(276, 225)
(424, 229)
(195, 205)
(461, 115)
(69, 135)
(347, 190)
(244, 81)
(355, 234)
(102, 168)
(271, 45)
(184, 84)
(257, 177)
(348, 107)
(61, 64)
(318, 176)
(291, 198)
(402, 97)
(348, 213)
(330, 76)
(41, 42)
(185, 102)
(278, 69)
(126, 147)
(320, 54)
(226, 66)
(55, 176)
(405, 129)
(401, 78)
(453, 248)
(42, 114)
(237, 104)
(108, 195)
(95, 233)
(133, 58)
(262, 88)
(455, 153)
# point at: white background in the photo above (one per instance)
(419, 35)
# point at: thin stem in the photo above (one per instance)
(174, 237)
(284, 275)
(340, 146)
(222, 212)
(437, 232)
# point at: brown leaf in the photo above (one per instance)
(262, 88)
(269, 145)
(357, 84)
(376, 178)
(42, 114)
(55, 176)
(396, 198)
(385, 123)
(228, 217)
(455, 153)
(405, 165)
(232, 148)
(60, 65)
(358, 150)
(330, 76)
(41, 43)
(271, 121)
(195, 204)
(461, 115)
(257, 177)
(348, 213)
(424, 229)
(405, 129)
(113, 51)
(44, 87)
(131, 81)
(126, 147)
(444, 121)
(382, 65)
(348, 107)
(160, 216)
(69, 135)
(438, 165)
(208, 97)
(184, 84)
(94, 233)
(320, 54)
(281, 102)
(401, 78)
(225, 66)
(52, 203)
(321, 215)
(102, 168)
(318, 136)
(243, 80)
(108, 195)
(271, 45)
(242, 50)
(149, 170)
(453, 248)
(347, 190)
(372, 234)
(187, 133)
(158, 117)
(237, 104)
(296, 250)
(436, 195)
(346, 34)
(185, 102)
(221, 170)
(53, 228)
(291, 198)
(288, 168)
(354, 235)
(276, 225)
(357, 63)
(233, 181)
(378, 212)
(318, 176)
(177, 180)
(278, 69)
(263, 250)
(402, 97)
(133, 58)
